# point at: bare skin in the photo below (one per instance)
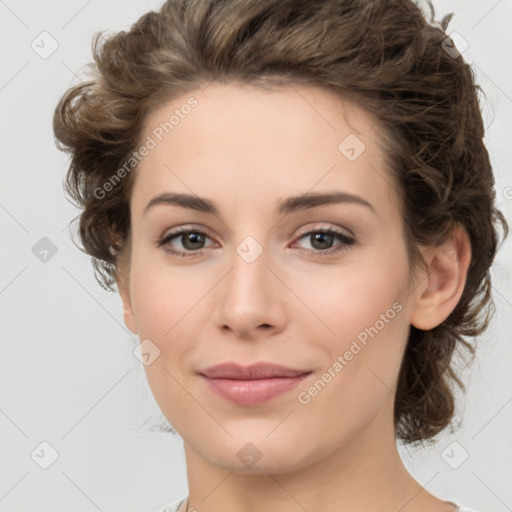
(301, 303)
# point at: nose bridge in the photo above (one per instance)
(248, 297)
(249, 279)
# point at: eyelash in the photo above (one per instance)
(347, 242)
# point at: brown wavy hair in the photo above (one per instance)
(388, 56)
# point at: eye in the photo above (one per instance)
(324, 241)
(192, 241)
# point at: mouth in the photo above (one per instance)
(252, 385)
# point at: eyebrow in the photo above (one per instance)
(289, 205)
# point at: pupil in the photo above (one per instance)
(191, 239)
(319, 240)
(321, 237)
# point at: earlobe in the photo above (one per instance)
(441, 287)
(124, 293)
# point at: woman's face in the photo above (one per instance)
(267, 273)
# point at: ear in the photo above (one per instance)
(441, 287)
(123, 285)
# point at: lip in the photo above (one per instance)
(254, 384)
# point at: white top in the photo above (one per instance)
(173, 507)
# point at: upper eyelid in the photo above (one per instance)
(336, 230)
(191, 229)
(202, 229)
(186, 229)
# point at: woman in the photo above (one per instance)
(296, 205)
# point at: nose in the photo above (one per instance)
(250, 299)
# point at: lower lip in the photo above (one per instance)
(253, 392)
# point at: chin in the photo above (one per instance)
(259, 455)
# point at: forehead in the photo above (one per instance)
(243, 143)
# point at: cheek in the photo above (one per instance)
(163, 301)
(169, 306)
(360, 326)
(355, 302)
(164, 296)
(151, 300)
(361, 360)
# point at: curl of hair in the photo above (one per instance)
(385, 55)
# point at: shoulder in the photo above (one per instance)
(173, 507)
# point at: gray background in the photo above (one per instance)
(68, 374)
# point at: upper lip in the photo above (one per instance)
(255, 371)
